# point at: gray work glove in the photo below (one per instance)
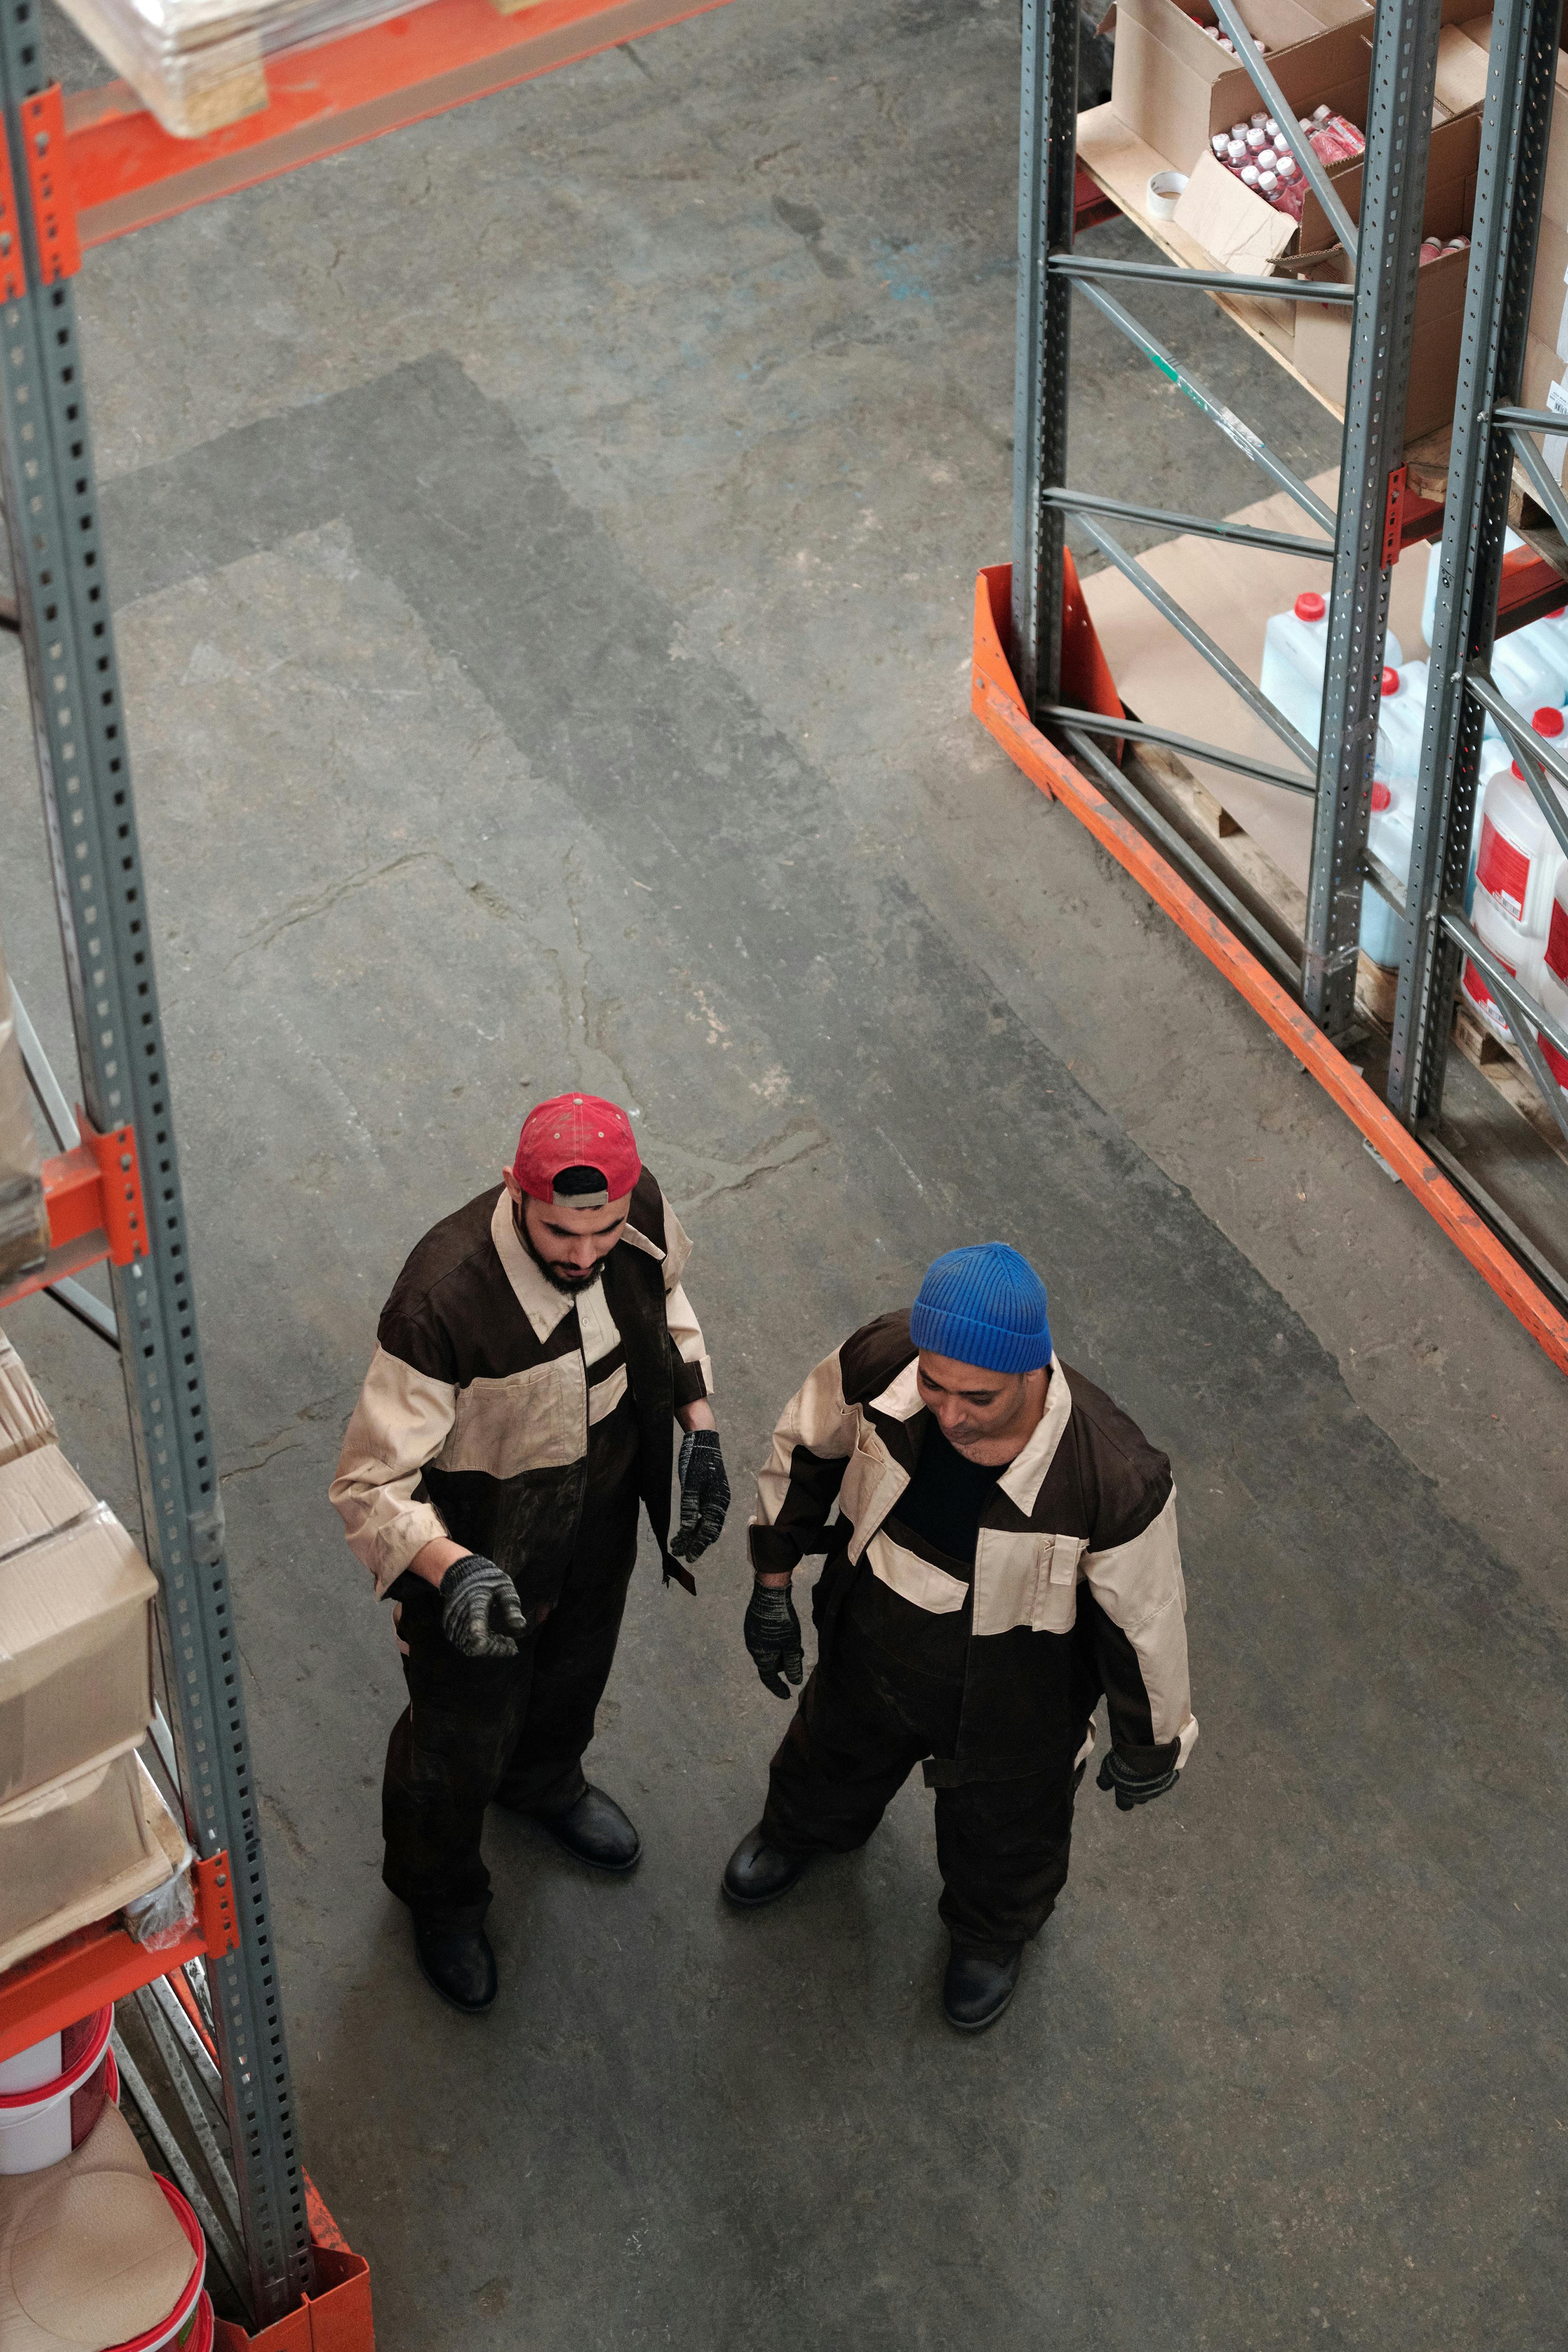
(482, 1616)
(1133, 1788)
(772, 1637)
(704, 1493)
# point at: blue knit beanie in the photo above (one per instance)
(984, 1306)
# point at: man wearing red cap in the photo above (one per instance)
(532, 1358)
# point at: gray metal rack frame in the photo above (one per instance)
(1490, 431)
(51, 513)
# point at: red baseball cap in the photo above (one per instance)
(577, 1132)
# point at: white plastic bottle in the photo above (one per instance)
(1527, 674)
(1496, 933)
(1388, 837)
(1295, 654)
(1518, 861)
(1551, 989)
(1401, 722)
(1429, 600)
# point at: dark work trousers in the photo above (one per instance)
(865, 1720)
(509, 1731)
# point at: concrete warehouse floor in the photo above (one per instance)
(543, 544)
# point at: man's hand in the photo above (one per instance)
(1133, 1788)
(704, 1493)
(772, 1637)
(482, 1616)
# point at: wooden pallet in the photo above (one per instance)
(1500, 1061)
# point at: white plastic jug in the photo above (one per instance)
(1527, 674)
(1515, 956)
(1552, 981)
(1516, 859)
(1401, 722)
(1388, 837)
(1295, 654)
(1429, 600)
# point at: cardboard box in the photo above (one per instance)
(1478, 30)
(1175, 88)
(1546, 386)
(75, 1603)
(92, 1844)
(25, 1421)
(24, 1221)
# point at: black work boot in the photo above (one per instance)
(757, 1871)
(977, 1989)
(596, 1831)
(458, 1963)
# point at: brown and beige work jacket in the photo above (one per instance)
(1077, 1586)
(477, 1415)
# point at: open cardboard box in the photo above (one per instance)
(1175, 88)
(1464, 53)
(1244, 234)
(1323, 334)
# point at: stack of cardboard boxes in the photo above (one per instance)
(83, 1830)
(1177, 88)
(1463, 56)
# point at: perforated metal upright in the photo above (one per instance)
(51, 512)
(1361, 541)
(1491, 434)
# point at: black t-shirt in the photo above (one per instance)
(937, 1515)
(944, 1501)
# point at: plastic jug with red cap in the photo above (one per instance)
(1527, 673)
(1388, 839)
(1518, 860)
(1401, 722)
(1510, 950)
(1295, 654)
(1551, 990)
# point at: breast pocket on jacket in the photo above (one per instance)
(534, 1420)
(1024, 1579)
(871, 1484)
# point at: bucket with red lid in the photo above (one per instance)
(52, 2093)
(189, 2326)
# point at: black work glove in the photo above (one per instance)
(1133, 1788)
(482, 1616)
(772, 1637)
(704, 1493)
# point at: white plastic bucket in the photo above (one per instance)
(35, 2121)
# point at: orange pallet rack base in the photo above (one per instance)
(337, 2318)
(997, 704)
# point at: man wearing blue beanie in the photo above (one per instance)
(1004, 1554)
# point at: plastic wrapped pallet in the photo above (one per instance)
(197, 64)
(23, 1220)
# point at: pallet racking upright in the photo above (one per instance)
(1034, 632)
(72, 172)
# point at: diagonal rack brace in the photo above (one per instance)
(1540, 765)
(1201, 642)
(1239, 434)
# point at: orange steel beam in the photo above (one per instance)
(126, 170)
(997, 704)
(103, 1963)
